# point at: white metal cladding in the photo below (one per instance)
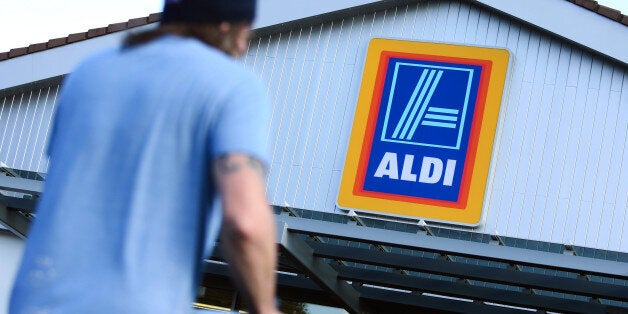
(24, 124)
(559, 165)
(560, 162)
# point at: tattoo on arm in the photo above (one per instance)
(227, 164)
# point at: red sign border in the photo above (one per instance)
(358, 187)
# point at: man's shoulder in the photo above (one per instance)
(217, 61)
(193, 54)
(89, 67)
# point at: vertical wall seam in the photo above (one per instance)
(509, 154)
(41, 118)
(578, 147)
(15, 123)
(303, 105)
(30, 130)
(50, 121)
(537, 104)
(333, 113)
(6, 123)
(307, 140)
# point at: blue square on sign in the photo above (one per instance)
(427, 104)
(424, 123)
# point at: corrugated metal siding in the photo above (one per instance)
(560, 153)
(24, 124)
(560, 161)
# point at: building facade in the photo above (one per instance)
(558, 167)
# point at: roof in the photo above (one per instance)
(72, 38)
(602, 10)
(591, 5)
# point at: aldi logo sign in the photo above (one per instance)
(426, 116)
(423, 130)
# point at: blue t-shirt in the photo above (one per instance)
(127, 208)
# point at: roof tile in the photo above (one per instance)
(116, 27)
(610, 12)
(589, 4)
(37, 47)
(96, 32)
(155, 17)
(137, 22)
(16, 52)
(76, 37)
(57, 42)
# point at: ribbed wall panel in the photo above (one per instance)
(560, 159)
(560, 150)
(24, 124)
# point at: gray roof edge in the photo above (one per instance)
(565, 19)
(459, 247)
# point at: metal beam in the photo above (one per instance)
(14, 221)
(318, 270)
(302, 289)
(469, 271)
(463, 248)
(399, 302)
(23, 204)
(460, 290)
(21, 185)
(289, 287)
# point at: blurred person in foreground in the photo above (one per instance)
(154, 143)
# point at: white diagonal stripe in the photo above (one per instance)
(416, 105)
(424, 105)
(404, 116)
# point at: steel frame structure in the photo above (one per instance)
(362, 270)
(374, 280)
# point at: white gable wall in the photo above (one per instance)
(560, 153)
(566, 20)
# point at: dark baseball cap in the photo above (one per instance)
(208, 11)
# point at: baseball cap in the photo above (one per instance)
(208, 11)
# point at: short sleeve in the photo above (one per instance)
(52, 134)
(242, 123)
(57, 115)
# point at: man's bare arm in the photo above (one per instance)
(235, 162)
(248, 230)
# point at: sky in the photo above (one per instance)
(25, 22)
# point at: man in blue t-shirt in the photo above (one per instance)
(156, 144)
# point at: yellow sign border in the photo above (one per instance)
(472, 214)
